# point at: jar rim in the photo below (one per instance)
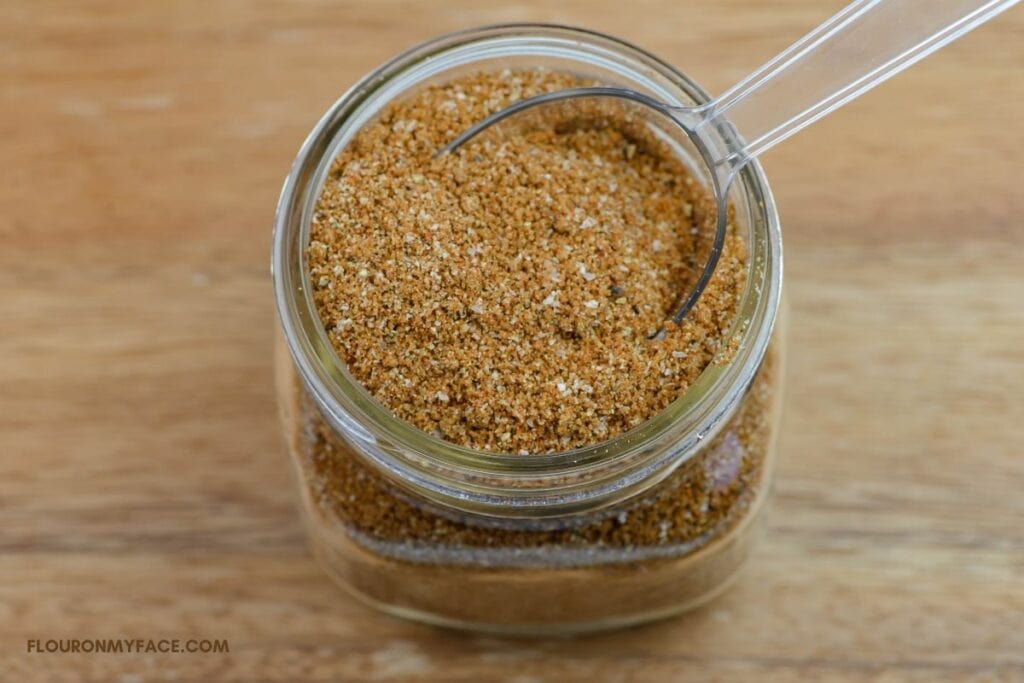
(501, 483)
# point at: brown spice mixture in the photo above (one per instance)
(702, 499)
(501, 297)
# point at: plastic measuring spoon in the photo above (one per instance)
(864, 44)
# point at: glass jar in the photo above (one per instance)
(643, 525)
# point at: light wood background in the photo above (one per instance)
(143, 487)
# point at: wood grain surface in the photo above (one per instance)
(144, 492)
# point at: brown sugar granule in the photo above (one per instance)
(501, 297)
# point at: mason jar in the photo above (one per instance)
(641, 526)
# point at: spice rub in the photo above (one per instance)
(502, 297)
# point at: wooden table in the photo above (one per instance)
(145, 492)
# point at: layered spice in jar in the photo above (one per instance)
(523, 439)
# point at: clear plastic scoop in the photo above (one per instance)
(858, 48)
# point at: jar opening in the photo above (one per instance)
(483, 480)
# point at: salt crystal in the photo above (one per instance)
(587, 275)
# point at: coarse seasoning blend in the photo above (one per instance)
(493, 423)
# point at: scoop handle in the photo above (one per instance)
(858, 48)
